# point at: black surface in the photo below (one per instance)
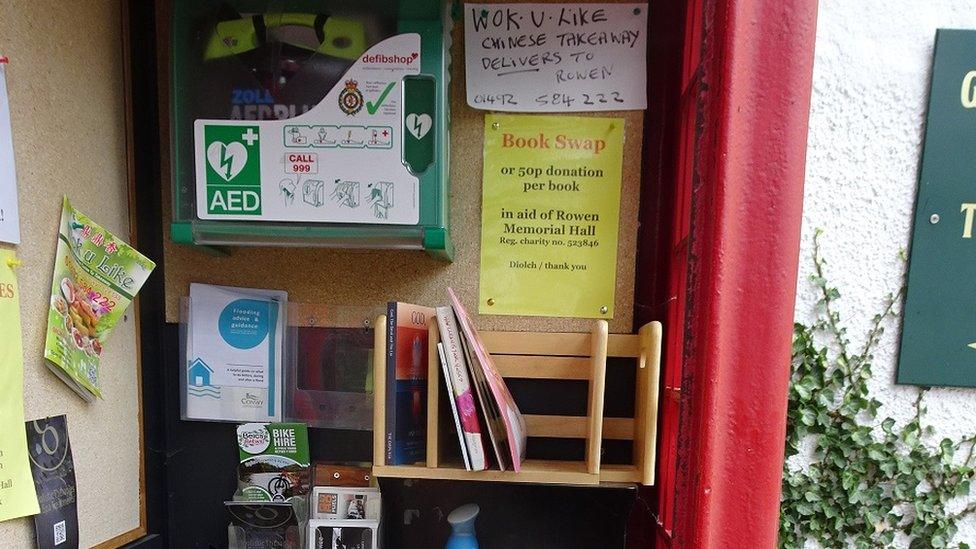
(152, 541)
(512, 515)
(149, 240)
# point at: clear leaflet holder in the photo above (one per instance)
(325, 377)
(329, 369)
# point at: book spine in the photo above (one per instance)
(391, 345)
(463, 397)
(446, 369)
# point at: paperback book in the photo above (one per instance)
(458, 383)
(449, 393)
(406, 382)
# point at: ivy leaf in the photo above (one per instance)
(867, 484)
(919, 543)
(948, 448)
(808, 417)
(889, 468)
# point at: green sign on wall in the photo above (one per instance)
(938, 345)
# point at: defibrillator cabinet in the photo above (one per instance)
(303, 123)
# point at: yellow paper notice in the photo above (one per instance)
(17, 496)
(549, 215)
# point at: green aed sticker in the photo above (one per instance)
(233, 156)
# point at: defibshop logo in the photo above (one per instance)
(395, 59)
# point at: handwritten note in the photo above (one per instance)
(17, 496)
(556, 57)
(9, 219)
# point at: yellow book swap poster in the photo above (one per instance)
(549, 215)
(17, 496)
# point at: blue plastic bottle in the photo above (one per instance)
(462, 527)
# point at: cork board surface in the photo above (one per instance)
(67, 116)
(373, 277)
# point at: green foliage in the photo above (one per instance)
(868, 479)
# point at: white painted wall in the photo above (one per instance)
(870, 87)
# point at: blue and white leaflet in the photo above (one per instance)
(234, 354)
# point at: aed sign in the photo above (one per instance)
(233, 167)
(938, 345)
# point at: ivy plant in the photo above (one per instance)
(869, 478)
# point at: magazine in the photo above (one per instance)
(486, 407)
(234, 342)
(96, 276)
(497, 392)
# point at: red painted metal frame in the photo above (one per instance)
(655, 296)
(745, 205)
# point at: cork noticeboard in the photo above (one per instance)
(373, 277)
(68, 118)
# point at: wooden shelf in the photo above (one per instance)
(533, 471)
(539, 355)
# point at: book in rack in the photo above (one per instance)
(558, 356)
(406, 358)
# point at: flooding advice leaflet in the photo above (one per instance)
(234, 344)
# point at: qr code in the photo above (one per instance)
(60, 533)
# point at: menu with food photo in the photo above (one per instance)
(96, 276)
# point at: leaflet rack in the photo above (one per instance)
(540, 355)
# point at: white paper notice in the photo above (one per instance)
(9, 219)
(556, 57)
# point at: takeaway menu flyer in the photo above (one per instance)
(96, 276)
